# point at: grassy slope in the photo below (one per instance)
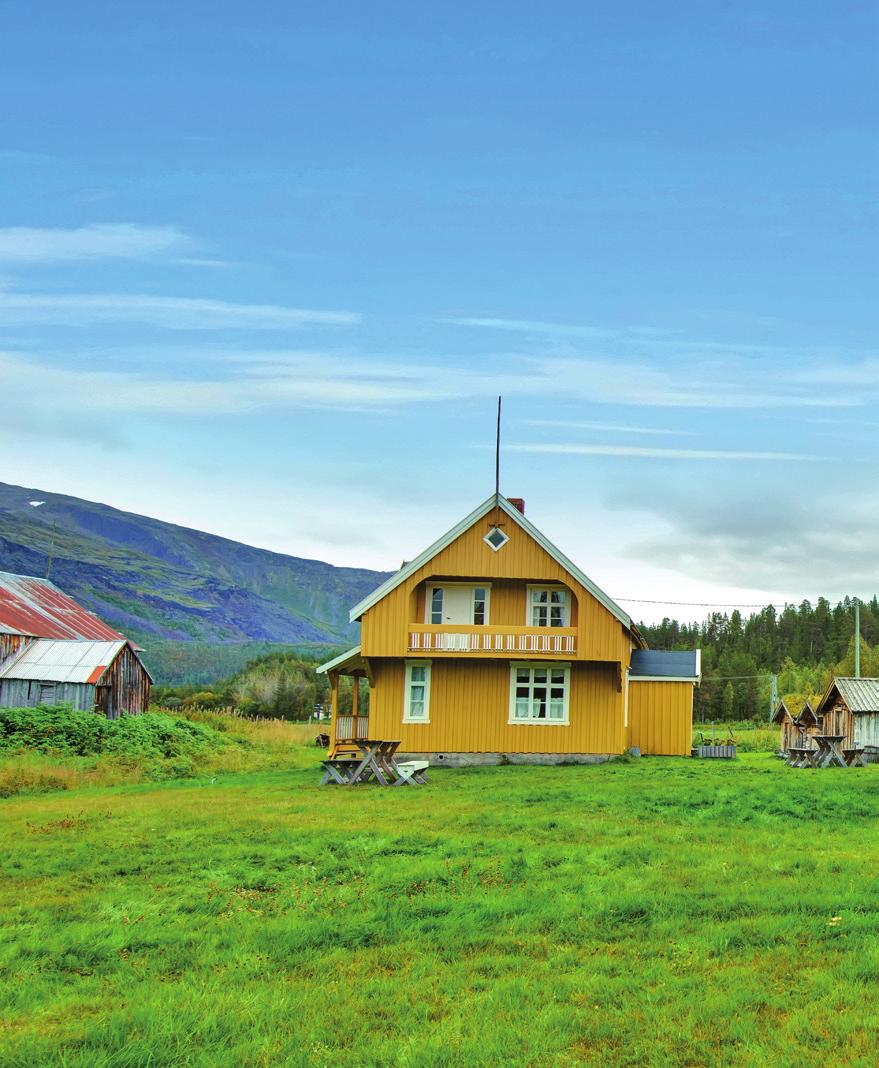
(660, 912)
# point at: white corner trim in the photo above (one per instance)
(626, 700)
(495, 500)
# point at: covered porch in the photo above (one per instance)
(349, 717)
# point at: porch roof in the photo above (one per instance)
(344, 663)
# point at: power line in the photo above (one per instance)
(725, 604)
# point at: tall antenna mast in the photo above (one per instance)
(497, 453)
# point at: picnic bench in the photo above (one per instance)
(799, 756)
(854, 758)
(368, 759)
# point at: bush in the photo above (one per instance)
(68, 731)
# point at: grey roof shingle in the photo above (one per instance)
(665, 663)
(861, 695)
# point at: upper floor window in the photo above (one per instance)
(436, 604)
(549, 606)
(496, 538)
(458, 602)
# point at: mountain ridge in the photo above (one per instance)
(154, 579)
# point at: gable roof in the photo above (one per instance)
(807, 716)
(47, 660)
(781, 713)
(861, 695)
(36, 607)
(670, 665)
(494, 501)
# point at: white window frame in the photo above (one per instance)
(407, 691)
(496, 548)
(472, 586)
(540, 665)
(551, 587)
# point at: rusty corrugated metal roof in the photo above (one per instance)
(46, 660)
(37, 607)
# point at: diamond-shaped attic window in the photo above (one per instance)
(496, 538)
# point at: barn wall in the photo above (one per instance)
(839, 720)
(866, 728)
(661, 717)
(10, 644)
(124, 688)
(24, 693)
(470, 709)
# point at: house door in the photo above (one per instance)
(458, 604)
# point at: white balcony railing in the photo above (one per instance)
(504, 641)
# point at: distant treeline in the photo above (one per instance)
(804, 645)
(281, 684)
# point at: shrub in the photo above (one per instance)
(65, 730)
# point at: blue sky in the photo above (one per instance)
(264, 269)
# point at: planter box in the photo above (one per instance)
(715, 752)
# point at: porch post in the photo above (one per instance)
(355, 705)
(334, 706)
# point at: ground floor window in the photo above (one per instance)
(540, 693)
(416, 702)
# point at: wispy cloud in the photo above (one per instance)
(542, 326)
(175, 313)
(613, 428)
(640, 452)
(30, 244)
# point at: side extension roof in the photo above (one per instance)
(494, 501)
(666, 664)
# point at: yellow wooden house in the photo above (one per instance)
(492, 646)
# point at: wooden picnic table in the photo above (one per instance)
(854, 758)
(829, 753)
(800, 756)
(375, 761)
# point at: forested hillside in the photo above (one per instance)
(803, 645)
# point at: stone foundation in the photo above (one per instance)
(475, 760)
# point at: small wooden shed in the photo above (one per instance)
(785, 722)
(850, 707)
(101, 676)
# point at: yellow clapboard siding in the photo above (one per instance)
(469, 711)
(661, 717)
(384, 627)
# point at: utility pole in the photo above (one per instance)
(773, 695)
(857, 638)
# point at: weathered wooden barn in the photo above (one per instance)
(850, 707)
(53, 651)
(796, 730)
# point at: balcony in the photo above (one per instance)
(457, 640)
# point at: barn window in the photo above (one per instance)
(416, 705)
(549, 606)
(46, 693)
(540, 693)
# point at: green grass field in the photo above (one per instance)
(658, 912)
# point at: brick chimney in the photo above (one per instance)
(518, 503)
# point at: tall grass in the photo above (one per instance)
(42, 750)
